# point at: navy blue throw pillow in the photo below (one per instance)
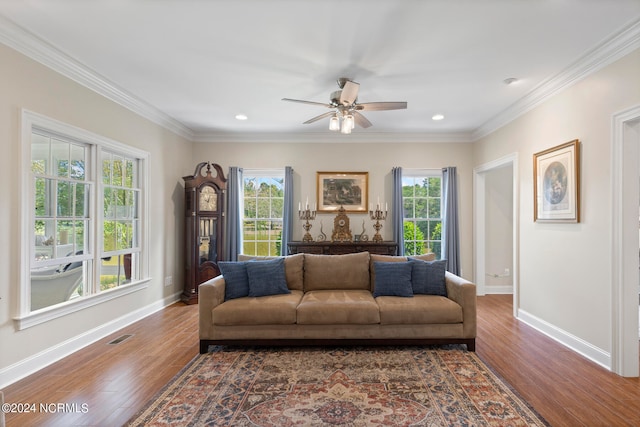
(392, 279)
(427, 277)
(267, 278)
(235, 278)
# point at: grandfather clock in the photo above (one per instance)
(204, 227)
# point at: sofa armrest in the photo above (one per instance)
(210, 295)
(463, 292)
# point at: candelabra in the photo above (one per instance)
(378, 215)
(307, 214)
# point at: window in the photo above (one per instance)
(263, 204)
(422, 200)
(84, 221)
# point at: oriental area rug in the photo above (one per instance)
(337, 386)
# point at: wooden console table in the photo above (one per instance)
(339, 248)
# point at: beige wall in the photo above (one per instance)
(378, 159)
(565, 269)
(25, 84)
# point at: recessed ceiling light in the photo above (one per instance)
(241, 117)
(437, 117)
(510, 81)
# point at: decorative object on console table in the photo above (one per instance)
(306, 214)
(340, 248)
(204, 227)
(341, 228)
(378, 215)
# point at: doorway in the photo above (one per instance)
(625, 263)
(497, 273)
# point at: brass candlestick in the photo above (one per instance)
(306, 215)
(378, 215)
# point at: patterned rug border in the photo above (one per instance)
(199, 358)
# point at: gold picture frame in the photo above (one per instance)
(556, 183)
(347, 189)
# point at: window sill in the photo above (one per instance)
(63, 309)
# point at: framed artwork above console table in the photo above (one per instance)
(340, 248)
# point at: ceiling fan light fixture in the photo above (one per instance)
(334, 123)
(347, 124)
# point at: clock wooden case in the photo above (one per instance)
(204, 227)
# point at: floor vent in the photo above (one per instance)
(120, 339)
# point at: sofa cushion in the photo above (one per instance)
(429, 256)
(381, 258)
(429, 277)
(421, 309)
(335, 307)
(235, 278)
(267, 310)
(393, 279)
(349, 271)
(293, 267)
(267, 278)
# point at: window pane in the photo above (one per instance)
(421, 189)
(125, 234)
(129, 174)
(64, 199)
(106, 169)
(109, 236)
(60, 151)
(421, 208)
(109, 208)
(78, 162)
(250, 187)
(118, 171)
(408, 204)
(263, 189)
(263, 208)
(82, 201)
(434, 208)
(250, 208)
(277, 208)
(39, 153)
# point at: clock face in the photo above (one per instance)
(208, 199)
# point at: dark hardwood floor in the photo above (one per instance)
(116, 380)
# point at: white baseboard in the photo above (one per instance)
(34, 363)
(576, 344)
(499, 289)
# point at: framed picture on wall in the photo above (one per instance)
(556, 183)
(347, 189)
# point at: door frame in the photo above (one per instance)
(479, 224)
(625, 201)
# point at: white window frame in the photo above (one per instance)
(425, 173)
(258, 173)
(24, 317)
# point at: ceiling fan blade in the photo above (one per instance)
(349, 93)
(308, 102)
(320, 117)
(380, 106)
(361, 120)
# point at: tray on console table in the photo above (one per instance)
(339, 248)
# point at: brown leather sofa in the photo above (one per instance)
(331, 301)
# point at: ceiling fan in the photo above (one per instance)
(346, 109)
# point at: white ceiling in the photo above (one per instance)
(194, 64)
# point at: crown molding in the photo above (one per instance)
(615, 47)
(332, 137)
(45, 53)
(620, 44)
